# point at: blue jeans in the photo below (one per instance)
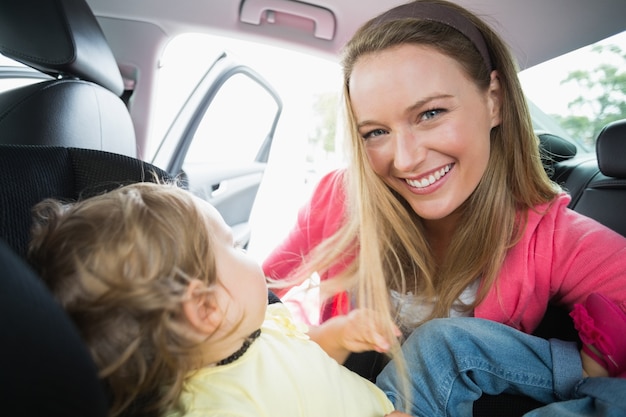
(452, 362)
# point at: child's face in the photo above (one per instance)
(243, 289)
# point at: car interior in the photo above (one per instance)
(84, 128)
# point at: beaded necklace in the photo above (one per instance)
(239, 353)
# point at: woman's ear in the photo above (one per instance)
(200, 308)
(495, 99)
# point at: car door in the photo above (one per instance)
(221, 139)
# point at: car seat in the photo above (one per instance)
(81, 105)
(603, 194)
(32, 173)
(46, 369)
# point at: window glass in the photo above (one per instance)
(183, 63)
(581, 91)
(307, 142)
(222, 138)
(15, 74)
(8, 62)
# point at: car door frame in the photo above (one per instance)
(233, 190)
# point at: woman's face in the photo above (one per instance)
(425, 125)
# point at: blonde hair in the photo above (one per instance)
(380, 226)
(120, 263)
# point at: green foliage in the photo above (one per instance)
(602, 95)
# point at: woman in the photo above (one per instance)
(448, 210)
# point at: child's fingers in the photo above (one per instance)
(363, 332)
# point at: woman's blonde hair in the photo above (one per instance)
(120, 263)
(380, 226)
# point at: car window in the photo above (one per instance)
(14, 74)
(579, 92)
(235, 125)
(307, 139)
(181, 68)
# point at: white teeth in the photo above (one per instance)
(431, 179)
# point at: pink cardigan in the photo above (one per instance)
(562, 257)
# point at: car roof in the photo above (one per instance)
(536, 30)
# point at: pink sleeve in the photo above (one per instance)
(318, 219)
(587, 257)
(562, 257)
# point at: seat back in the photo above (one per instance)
(33, 173)
(603, 197)
(81, 105)
(46, 370)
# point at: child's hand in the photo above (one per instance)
(361, 331)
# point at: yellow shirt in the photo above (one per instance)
(283, 374)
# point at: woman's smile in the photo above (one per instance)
(426, 181)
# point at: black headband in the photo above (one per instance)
(442, 14)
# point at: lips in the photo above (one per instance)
(429, 179)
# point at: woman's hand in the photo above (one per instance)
(358, 331)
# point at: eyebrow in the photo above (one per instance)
(418, 104)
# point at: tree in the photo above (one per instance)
(602, 97)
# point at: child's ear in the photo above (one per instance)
(200, 308)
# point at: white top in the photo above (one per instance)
(412, 309)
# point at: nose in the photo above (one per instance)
(409, 150)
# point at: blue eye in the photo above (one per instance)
(374, 133)
(429, 114)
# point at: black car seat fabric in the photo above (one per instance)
(554, 149)
(603, 197)
(45, 369)
(81, 105)
(33, 173)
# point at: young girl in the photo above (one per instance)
(176, 318)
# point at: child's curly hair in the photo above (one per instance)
(119, 264)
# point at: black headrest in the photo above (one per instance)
(611, 149)
(60, 38)
(555, 148)
(32, 173)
